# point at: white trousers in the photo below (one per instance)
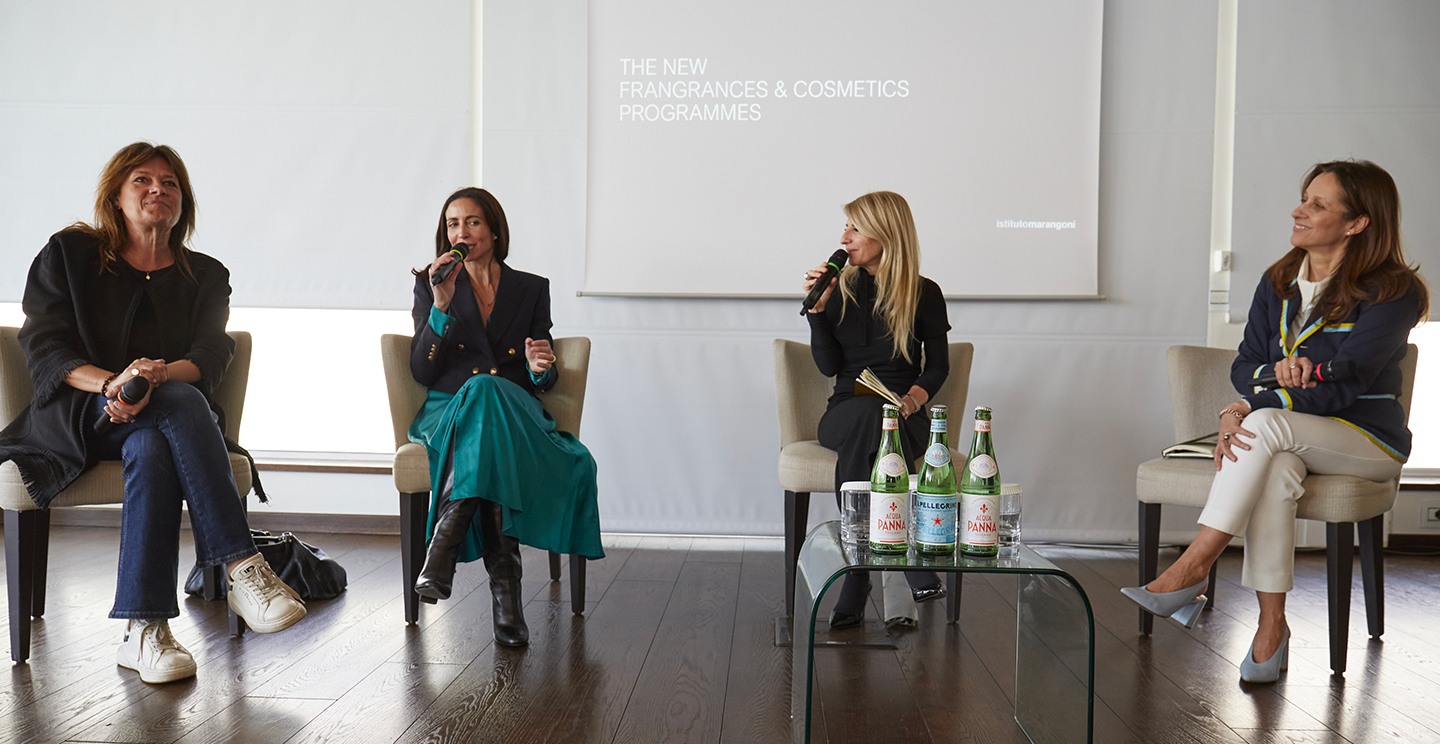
(1255, 495)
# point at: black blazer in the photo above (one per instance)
(470, 347)
(76, 314)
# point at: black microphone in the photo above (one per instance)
(132, 392)
(461, 251)
(1335, 369)
(832, 269)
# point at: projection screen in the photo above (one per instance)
(321, 137)
(724, 139)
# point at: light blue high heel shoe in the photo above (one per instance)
(1182, 606)
(1269, 671)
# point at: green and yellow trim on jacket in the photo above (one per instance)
(1289, 348)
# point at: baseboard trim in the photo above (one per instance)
(1413, 541)
(349, 524)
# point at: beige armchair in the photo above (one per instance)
(565, 402)
(805, 466)
(1199, 387)
(27, 528)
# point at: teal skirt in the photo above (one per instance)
(507, 450)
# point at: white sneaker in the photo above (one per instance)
(261, 598)
(151, 650)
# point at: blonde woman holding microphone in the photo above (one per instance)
(881, 314)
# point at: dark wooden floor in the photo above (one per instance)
(676, 646)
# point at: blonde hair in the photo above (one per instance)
(884, 216)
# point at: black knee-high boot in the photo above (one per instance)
(502, 561)
(451, 526)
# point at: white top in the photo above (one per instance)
(1309, 292)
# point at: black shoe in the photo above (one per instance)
(451, 526)
(850, 607)
(502, 561)
(928, 593)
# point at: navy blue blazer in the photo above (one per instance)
(470, 347)
(1372, 336)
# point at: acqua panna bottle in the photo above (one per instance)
(889, 489)
(980, 493)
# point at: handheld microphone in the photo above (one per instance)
(461, 251)
(832, 270)
(1335, 369)
(132, 392)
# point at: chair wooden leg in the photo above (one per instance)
(955, 582)
(414, 511)
(1372, 570)
(222, 583)
(554, 566)
(237, 625)
(1340, 565)
(41, 555)
(797, 513)
(1149, 555)
(577, 583)
(214, 586)
(20, 578)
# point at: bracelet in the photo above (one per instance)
(913, 402)
(106, 384)
(1233, 412)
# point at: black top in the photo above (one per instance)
(844, 348)
(76, 314)
(147, 335)
(470, 346)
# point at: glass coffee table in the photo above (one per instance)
(1055, 638)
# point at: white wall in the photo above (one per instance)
(680, 412)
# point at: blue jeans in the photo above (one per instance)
(172, 452)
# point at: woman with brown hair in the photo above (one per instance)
(122, 298)
(886, 316)
(1343, 293)
(503, 474)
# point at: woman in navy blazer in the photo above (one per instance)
(1343, 293)
(503, 474)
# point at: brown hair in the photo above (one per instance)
(1373, 267)
(494, 219)
(884, 217)
(109, 228)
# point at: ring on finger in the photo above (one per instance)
(1226, 437)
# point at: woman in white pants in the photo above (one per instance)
(1343, 294)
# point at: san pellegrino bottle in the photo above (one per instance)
(935, 500)
(889, 489)
(980, 493)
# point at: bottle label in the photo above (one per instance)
(888, 512)
(892, 465)
(982, 425)
(889, 423)
(937, 455)
(938, 424)
(983, 466)
(979, 519)
(935, 519)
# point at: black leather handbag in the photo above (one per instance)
(302, 566)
